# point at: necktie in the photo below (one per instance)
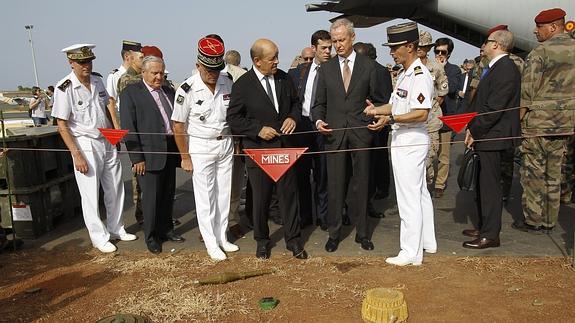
(484, 73)
(166, 109)
(346, 74)
(269, 90)
(314, 88)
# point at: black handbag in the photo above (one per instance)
(469, 171)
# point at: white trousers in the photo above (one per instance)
(417, 230)
(212, 178)
(104, 169)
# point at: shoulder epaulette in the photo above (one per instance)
(64, 85)
(97, 74)
(185, 86)
(114, 71)
(418, 70)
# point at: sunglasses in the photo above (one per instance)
(83, 61)
(307, 59)
(440, 52)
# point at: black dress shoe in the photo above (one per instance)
(277, 220)
(331, 245)
(262, 252)
(365, 243)
(481, 243)
(298, 252)
(525, 227)
(471, 233)
(373, 213)
(322, 224)
(172, 236)
(154, 247)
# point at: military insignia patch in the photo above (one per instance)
(226, 97)
(64, 85)
(420, 98)
(199, 102)
(418, 70)
(185, 87)
(180, 99)
(102, 94)
(402, 93)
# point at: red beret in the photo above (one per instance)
(551, 15)
(496, 28)
(152, 51)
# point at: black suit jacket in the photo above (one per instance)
(139, 113)
(340, 109)
(453, 73)
(250, 109)
(499, 89)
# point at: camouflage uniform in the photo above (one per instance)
(567, 175)
(547, 89)
(433, 124)
(131, 77)
(508, 155)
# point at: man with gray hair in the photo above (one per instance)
(500, 89)
(344, 83)
(146, 111)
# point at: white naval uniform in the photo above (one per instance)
(112, 84)
(85, 112)
(413, 90)
(212, 155)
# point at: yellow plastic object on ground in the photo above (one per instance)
(384, 305)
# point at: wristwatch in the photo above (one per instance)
(391, 120)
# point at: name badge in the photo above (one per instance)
(402, 93)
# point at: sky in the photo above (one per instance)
(174, 26)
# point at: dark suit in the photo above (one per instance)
(453, 73)
(307, 163)
(140, 113)
(251, 109)
(379, 180)
(499, 89)
(343, 110)
(463, 103)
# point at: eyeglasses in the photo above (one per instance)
(84, 61)
(490, 41)
(440, 52)
(307, 59)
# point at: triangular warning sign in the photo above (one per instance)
(275, 161)
(458, 121)
(113, 135)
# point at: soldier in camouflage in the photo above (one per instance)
(441, 88)
(547, 88)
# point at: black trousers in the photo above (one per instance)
(380, 173)
(489, 194)
(311, 164)
(286, 187)
(158, 189)
(337, 186)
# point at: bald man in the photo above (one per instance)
(264, 106)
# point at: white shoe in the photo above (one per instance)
(229, 247)
(401, 261)
(125, 237)
(430, 250)
(107, 247)
(217, 254)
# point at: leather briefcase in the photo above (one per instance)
(469, 171)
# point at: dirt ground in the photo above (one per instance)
(83, 286)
